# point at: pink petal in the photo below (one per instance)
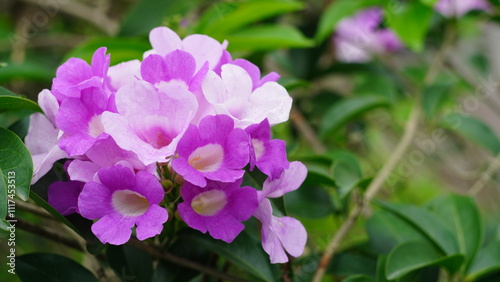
(290, 180)
(113, 230)
(164, 40)
(291, 233)
(94, 201)
(150, 224)
(83, 171)
(203, 48)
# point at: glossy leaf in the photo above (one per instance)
(473, 129)
(486, 262)
(12, 102)
(428, 224)
(245, 251)
(309, 201)
(129, 263)
(121, 49)
(244, 14)
(387, 230)
(3, 196)
(15, 160)
(461, 215)
(267, 37)
(411, 256)
(51, 267)
(411, 24)
(347, 109)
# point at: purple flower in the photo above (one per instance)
(458, 8)
(150, 121)
(80, 120)
(63, 196)
(122, 74)
(43, 136)
(75, 74)
(268, 155)
(122, 200)
(232, 94)
(285, 233)
(214, 150)
(203, 48)
(219, 208)
(359, 37)
(104, 153)
(254, 73)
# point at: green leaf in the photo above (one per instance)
(245, 251)
(15, 162)
(319, 175)
(487, 262)
(267, 37)
(136, 23)
(335, 12)
(461, 215)
(244, 14)
(433, 98)
(427, 223)
(430, 3)
(4, 224)
(51, 267)
(352, 263)
(121, 49)
(28, 71)
(347, 109)
(473, 129)
(346, 172)
(42, 203)
(387, 230)
(359, 278)
(12, 102)
(309, 201)
(411, 24)
(3, 197)
(411, 256)
(381, 263)
(129, 263)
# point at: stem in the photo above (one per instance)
(182, 261)
(307, 131)
(493, 166)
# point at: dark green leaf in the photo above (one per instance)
(359, 278)
(129, 263)
(28, 71)
(319, 175)
(20, 127)
(148, 14)
(428, 224)
(487, 261)
(267, 37)
(121, 49)
(51, 267)
(473, 129)
(387, 230)
(42, 203)
(433, 98)
(4, 224)
(246, 13)
(461, 216)
(309, 201)
(347, 109)
(411, 24)
(15, 162)
(346, 171)
(245, 251)
(3, 197)
(381, 262)
(335, 12)
(352, 263)
(411, 256)
(12, 102)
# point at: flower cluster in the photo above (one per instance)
(359, 37)
(187, 119)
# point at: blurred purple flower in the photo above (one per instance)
(458, 8)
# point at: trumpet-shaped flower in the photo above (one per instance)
(214, 150)
(232, 94)
(359, 37)
(122, 200)
(219, 208)
(268, 155)
(285, 233)
(150, 121)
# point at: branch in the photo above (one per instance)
(493, 167)
(182, 261)
(307, 131)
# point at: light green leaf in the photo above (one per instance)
(473, 129)
(411, 256)
(267, 37)
(461, 215)
(336, 11)
(487, 261)
(244, 14)
(121, 49)
(245, 251)
(15, 162)
(51, 267)
(411, 24)
(427, 223)
(347, 109)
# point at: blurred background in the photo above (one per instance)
(355, 79)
